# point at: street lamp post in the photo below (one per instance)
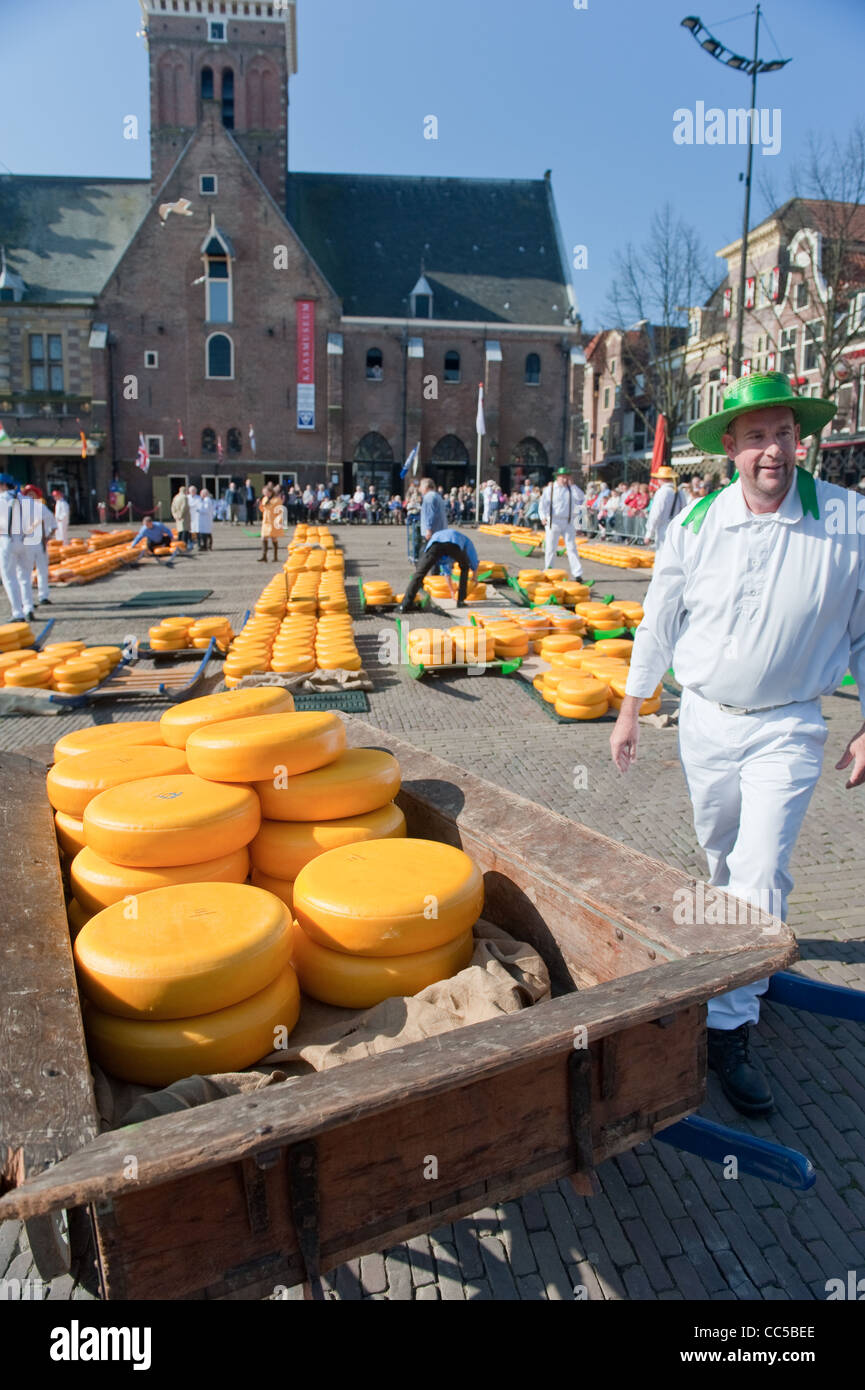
(752, 67)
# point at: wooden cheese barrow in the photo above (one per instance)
(245, 1193)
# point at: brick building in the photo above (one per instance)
(251, 321)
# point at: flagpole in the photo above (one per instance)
(480, 427)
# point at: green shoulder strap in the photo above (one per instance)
(805, 484)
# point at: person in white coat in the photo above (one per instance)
(205, 520)
(194, 507)
(662, 508)
(61, 515)
(41, 523)
(559, 510)
(16, 555)
(758, 600)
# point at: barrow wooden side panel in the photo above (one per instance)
(381, 1179)
(47, 1108)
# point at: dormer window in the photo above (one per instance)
(421, 299)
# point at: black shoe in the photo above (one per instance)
(742, 1078)
(28, 617)
(44, 600)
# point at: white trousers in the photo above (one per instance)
(551, 546)
(63, 532)
(750, 778)
(40, 559)
(16, 564)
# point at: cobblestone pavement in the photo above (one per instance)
(666, 1226)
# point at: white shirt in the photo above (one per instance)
(194, 500)
(205, 514)
(12, 519)
(61, 510)
(758, 610)
(560, 504)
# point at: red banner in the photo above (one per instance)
(306, 364)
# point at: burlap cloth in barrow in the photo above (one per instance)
(503, 976)
(317, 680)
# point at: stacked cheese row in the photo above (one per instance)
(178, 633)
(378, 592)
(442, 586)
(620, 556)
(13, 636)
(71, 668)
(310, 535)
(608, 617)
(80, 562)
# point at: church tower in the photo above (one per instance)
(232, 58)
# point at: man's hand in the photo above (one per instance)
(855, 753)
(623, 739)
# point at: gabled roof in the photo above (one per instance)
(488, 247)
(64, 236)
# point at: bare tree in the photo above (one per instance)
(657, 284)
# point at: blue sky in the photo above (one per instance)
(517, 88)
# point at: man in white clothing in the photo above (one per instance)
(61, 516)
(559, 511)
(758, 599)
(662, 507)
(41, 523)
(16, 556)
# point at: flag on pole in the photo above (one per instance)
(411, 461)
(219, 447)
(480, 425)
(4, 438)
(83, 438)
(142, 458)
(252, 439)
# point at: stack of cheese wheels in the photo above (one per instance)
(567, 622)
(581, 696)
(617, 684)
(11, 659)
(294, 646)
(473, 646)
(383, 918)
(15, 635)
(250, 650)
(335, 648)
(35, 672)
(265, 748)
(171, 634)
(197, 980)
(492, 571)
(575, 592)
(202, 629)
(439, 586)
(346, 801)
(632, 611)
(557, 643)
(430, 646)
(377, 592)
(602, 617)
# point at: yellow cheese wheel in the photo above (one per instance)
(282, 888)
(77, 915)
(73, 782)
(97, 883)
(265, 747)
(159, 1052)
(282, 848)
(388, 897)
(583, 689)
(617, 647)
(188, 949)
(359, 780)
(178, 722)
(561, 642)
(29, 673)
(360, 982)
(70, 833)
(163, 821)
(571, 710)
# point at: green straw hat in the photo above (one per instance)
(757, 392)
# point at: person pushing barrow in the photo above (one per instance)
(758, 602)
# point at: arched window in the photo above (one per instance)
(228, 98)
(207, 84)
(234, 441)
(533, 369)
(450, 449)
(373, 448)
(220, 355)
(452, 366)
(530, 454)
(208, 441)
(374, 367)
